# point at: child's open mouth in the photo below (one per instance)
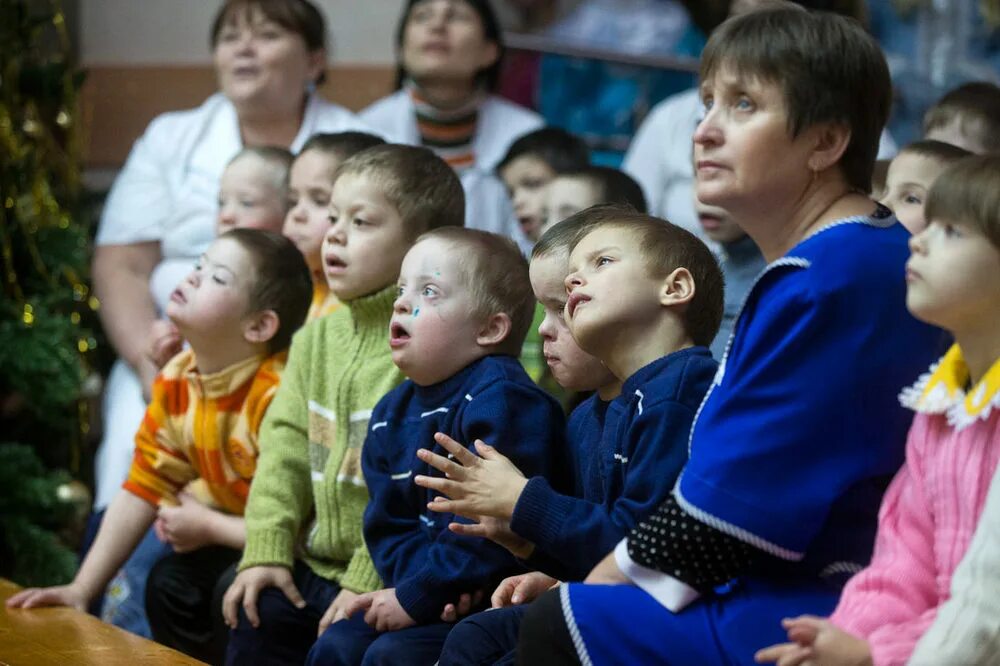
(398, 336)
(574, 301)
(334, 264)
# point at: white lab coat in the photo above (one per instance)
(168, 192)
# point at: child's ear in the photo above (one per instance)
(832, 140)
(677, 288)
(495, 330)
(261, 326)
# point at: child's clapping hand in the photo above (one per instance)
(382, 610)
(816, 642)
(475, 486)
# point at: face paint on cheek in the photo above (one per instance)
(416, 313)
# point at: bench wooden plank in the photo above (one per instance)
(64, 636)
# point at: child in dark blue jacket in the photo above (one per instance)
(463, 309)
(645, 297)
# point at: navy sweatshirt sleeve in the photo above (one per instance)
(526, 426)
(574, 534)
(392, 526)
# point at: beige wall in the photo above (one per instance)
(175, 32)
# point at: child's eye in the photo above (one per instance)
(358, 222)
(321, 200)
(951, 230)
(912, 199)
(429, 291)
(744, 103)
(399, 292)
(333, 219)
(602, 261)
(248, 203)
(707, 102)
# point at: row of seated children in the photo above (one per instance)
(502, 539)
(363, 249)
(261, 188)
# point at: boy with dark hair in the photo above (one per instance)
(530, 164)
(651, 337)
(463, 307)
(572, 191)
(967, 117)
(910, 176)
(237, 309)
(305, 553)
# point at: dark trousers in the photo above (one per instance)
(484, 639)
(184, 601)
(285, 633)
(351, 642)
(544, 637)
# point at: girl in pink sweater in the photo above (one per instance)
(930, 510)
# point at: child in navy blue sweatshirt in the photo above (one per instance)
(463, 309)
(645, 297)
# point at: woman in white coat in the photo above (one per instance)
(449, 55)
(160, 213)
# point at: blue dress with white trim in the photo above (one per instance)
(789, 454)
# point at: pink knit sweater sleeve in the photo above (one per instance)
(894, 600)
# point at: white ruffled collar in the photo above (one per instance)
(942, 390)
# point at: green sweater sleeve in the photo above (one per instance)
(281, 492)
(361, 575)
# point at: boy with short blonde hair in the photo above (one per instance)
(237, 309)
(463, 307)
(305, 555)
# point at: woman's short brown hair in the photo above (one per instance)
(968, 193)
(298, 16)
(827, 67)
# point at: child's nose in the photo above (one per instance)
(573, 280)
(335, 234)
(401, 305)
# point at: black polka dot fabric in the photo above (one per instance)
(677, 544)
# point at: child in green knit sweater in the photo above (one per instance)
(305, 555)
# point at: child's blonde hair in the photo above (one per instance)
(976, 107)
(968, 193)
(418, 183)
(277, 161)
(497, 275)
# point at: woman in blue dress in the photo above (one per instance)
(801, 431)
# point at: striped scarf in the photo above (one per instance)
(448, 132)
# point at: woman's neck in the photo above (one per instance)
(446, 94)
(777, 229)
(980, 346)
(277, 128)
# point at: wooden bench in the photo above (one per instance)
(65, 637)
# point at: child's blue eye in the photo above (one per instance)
(912, 199)
(429, 291)
(743, 104)
(603, 261)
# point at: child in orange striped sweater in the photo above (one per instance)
(237, 309)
